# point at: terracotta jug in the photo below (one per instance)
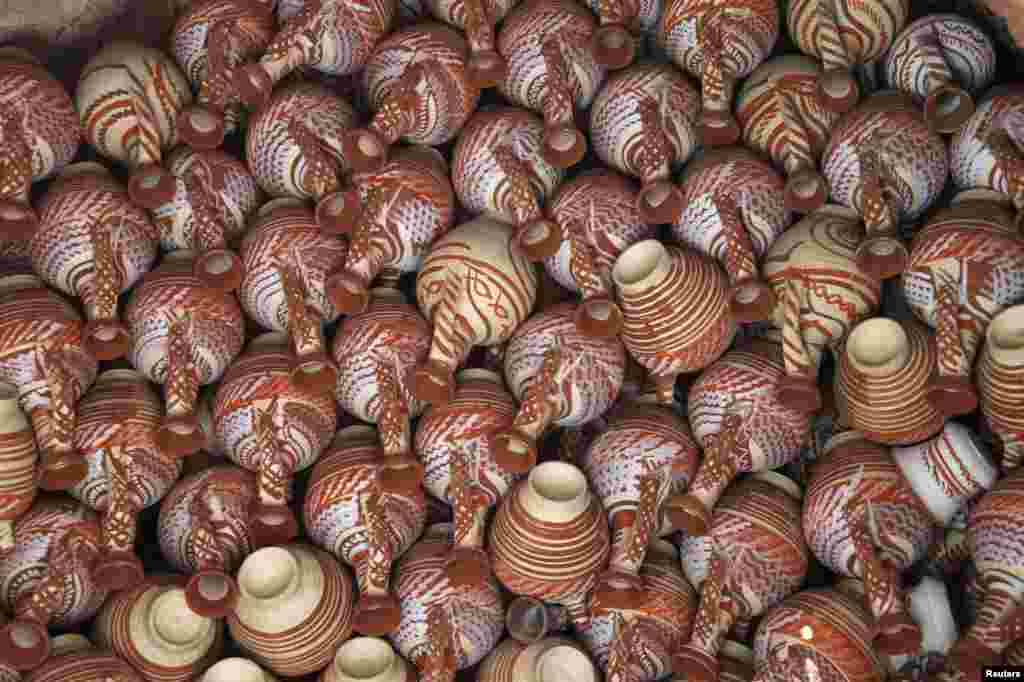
(560, 377)
(457, 443)
(41, 356)
(639, 465)
(128, 99)
(719, 44)
(884, 162)
(675, 310)
(757, 557)
(40, 133)
(210, 40)
(204, 532)
(85, 664)
(822, 291)
(444, 628)
(93, 244)
(215, 197)
(407, 204)
(965, 264)
(737, 416)
(236, 670)
(294, 608)
(476, 287)
(781, 117)
(644, 123)
(942, 60)
(417, 85)
(552, 70)
(1000, 373)
(287, 260)
(376, 351)
(627, 27)
(327, 36)
(151, 627)
(553, 659)
(18, 455)
(60, 645)
(117, 423)
(597, 217)
(498, 170)
(733, 211)
(48, 579)
(293, 144)
(485, 67)
(348, 514)
(881, 382)
(367, 659)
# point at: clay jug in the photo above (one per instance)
(93, 244)
(719, 44)
(639, 465)
(552, 70)
(498, 170)
(87, 664)
(210, 40)
(884, 162)
(287, 260)
(215, 197)
(733, 211)
(675, 310)
(781, 117)
(457, 444)
(41, 356)
(485, 68)
(443, 628)
(18, 455)
(48, 579)
(292, 146)
(151, 627)
(560, 377)
(376, 351)
(644, 123)
(348, 514)
(128, 99)
(737, 416)
(553, 659)
(418, 87)
(881, 384)
(60, 645)
(627, 26)
(822, 292)
(117, 423)
(236, 670)
(367, 659)
(549, 539)
(40, 133)
(817, 634)
(942, 61)
(407, 204)
(204, 532)
(597, 217)
(294, 608)
(476, 287)
(327, 36)
(999, 377)
(964, 267)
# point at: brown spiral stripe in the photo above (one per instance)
(1000, 397)
(867, 28)
(997, 545)
(500, 663)
(17, 469)
(85, 666)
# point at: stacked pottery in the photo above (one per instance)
(644, 123)
(348, 514)
(128, 98)
(117, 423)
(375, 351)
(733, 212)
(626, 27)
(236, 670)
(366, 659)
(93, 244)
(87, 663)
(443, 628)
(183, 335)
(999, 377)
(822, 292)
(287, 259)
(18, 455)
(755, 558)
(552, 659)
(718, 44)
(781, 117)
(457, 442)
(40, 134)
(942, 60)
(477, 19)
(552, 70)
(294, 608)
